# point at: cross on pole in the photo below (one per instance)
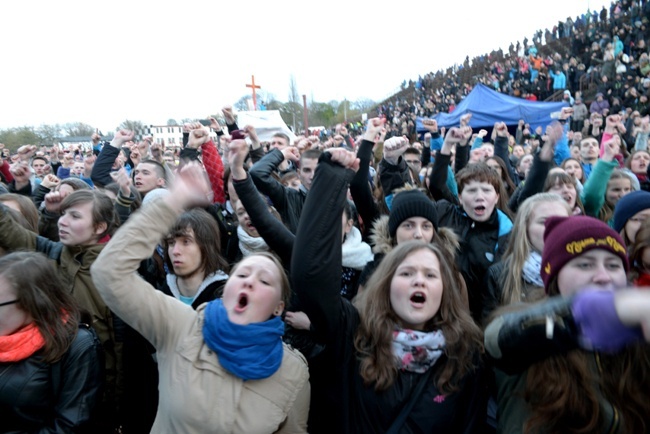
(253, 86)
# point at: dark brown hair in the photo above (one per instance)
(505, 174)
(313, 154)
(373, 340)
(640, 242)
(75, 183)
(563, 391)
(41, 294)
(103, 209)
(479, 172)
(206, 236)
(561, 177)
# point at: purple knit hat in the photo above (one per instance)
(566, 238)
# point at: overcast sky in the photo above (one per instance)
(104, 62)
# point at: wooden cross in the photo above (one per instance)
(253, 86)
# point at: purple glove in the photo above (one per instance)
(595, 315)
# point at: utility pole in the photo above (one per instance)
(304, 105)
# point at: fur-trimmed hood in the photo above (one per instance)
(382, 242)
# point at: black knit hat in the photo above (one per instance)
(411, 203)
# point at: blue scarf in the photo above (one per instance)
(250, 352)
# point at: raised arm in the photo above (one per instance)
(501, 147)
(593, 193)
(159, 318)
(360, 187)
(277, 236)
(393, 171)
(262, 171)
(593, 320)
(542, 163)
(200, 137)
(316, 261)
(438, 179)
(101, 173)
(641, 142)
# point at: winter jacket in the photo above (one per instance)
(196, 393)
(580, 112)
(559, 80)
(481, 243)
(517, 340)
(74, 264)
(277, 236)
(60, 397)
(210, 288)
(347, 405)
(101, 173)
(599, 106)
(494, 290)
(286, 200)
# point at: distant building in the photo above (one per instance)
(84, 142)
(172, 135)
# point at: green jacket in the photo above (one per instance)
(593, 193)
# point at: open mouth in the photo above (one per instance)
(479, 210)
(418, 298)
(242, 303)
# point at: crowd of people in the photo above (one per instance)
(370, 280)
(602, 52)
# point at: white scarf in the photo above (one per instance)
(356, 253)
(249, 245)
(417, 351)
(533, 269)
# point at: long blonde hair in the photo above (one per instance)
(519, 247)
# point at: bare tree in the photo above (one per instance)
(49, 134)
(294, 101)
(78, 129)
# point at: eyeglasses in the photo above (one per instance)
(6, 303)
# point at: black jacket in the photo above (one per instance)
(286, 200)
(276, 235)
(61, 397)
(481, 243)
(345, 404)
(494, 290)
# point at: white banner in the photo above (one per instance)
(266, 123)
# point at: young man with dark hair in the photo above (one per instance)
(589, 150)
(149, 175)
(193, 257)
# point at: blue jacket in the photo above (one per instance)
(559, 80)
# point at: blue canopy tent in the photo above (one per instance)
(488, 106)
